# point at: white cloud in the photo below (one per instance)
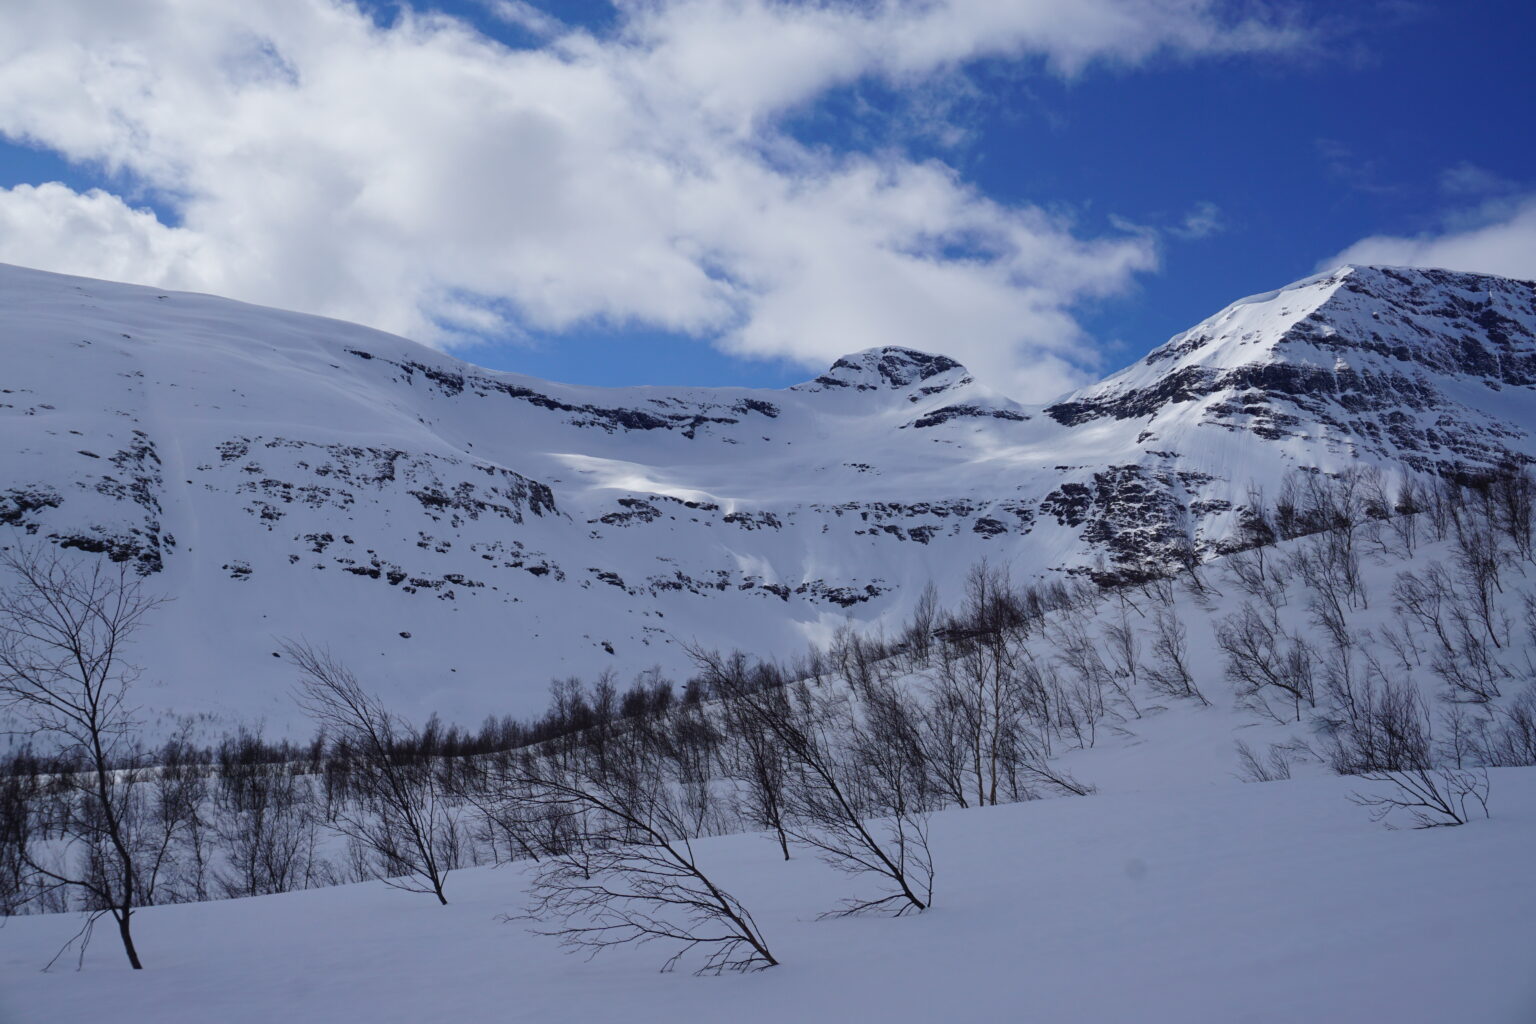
(1497, 238)
(51, 227)
(526, 17)
(1204, 220)
(424, 179)
(1468, 179)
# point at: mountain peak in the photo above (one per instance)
(887, 367)
(1427, 368)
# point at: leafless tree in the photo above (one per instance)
(692, 745)
(1389, 740)
(626, 872)
(1513, 742)
(177, 791)
(1422, 600)
(487, 785)
(1472, 671)
(1258, 573)
(750, 753)
(1262, 659)
(1272, 768)
(265, 822)
(1431, 797)
(1466, 739)
(400, 813)
(862, 812)
(1380, 725)
(1404, 522)
(1087, 677)
(1124, 645)
(977, 706)
(65, 623)
(1170, 672)
(1514, 496)
(20, 786)
(917, 637)
(1287, 511)
(1478, 560)
(1330, 570)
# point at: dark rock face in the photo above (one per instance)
(884, 368)
(1184, 385)
(346, 471)
(1372, 364)
(134, 480)
(989, 527)
(1474, 325)
(608, 419)
(18, 505)
(1139, 518)
(954, 412)
(900, 367)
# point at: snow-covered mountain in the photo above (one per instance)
(459, 535)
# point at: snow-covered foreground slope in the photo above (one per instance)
(1277, 902)
(460, 535)
(1172, 893)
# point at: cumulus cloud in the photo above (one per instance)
(1496, 238)
(422, 178)
(52, 227)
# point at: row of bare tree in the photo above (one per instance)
(844, 752)
(1417, 699)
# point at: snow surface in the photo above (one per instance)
(1175, 893)
(1276, 902)
(460, 536)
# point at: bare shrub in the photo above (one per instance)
(1170, 672)
(1431, 797)
(1264, 663)
(1513, 742)
(1385, 728)
(858, 806)
(750, 755)
(624, 871)
(264, 821)
(1274, 767)
(400, 815)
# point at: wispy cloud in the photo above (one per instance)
(1468, 179)
(1494, 237)
(1344, 165)
(538, 23)
(1203, 221)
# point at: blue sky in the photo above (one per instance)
(733, 191)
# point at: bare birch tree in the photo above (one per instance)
(400, 814)
(65, 623)
(625, 871)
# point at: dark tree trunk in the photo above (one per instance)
(128, 947)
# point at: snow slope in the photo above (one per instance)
(1261, 903)
(461, 535)
(1174, 893)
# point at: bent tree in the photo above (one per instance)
(624, 870)
(399, 813)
